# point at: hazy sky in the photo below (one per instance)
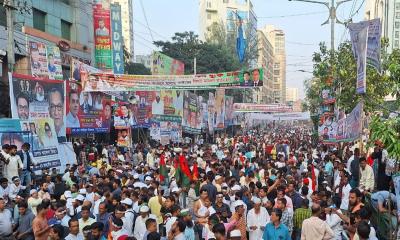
(303, 33)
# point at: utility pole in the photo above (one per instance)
(332, 16)
(9, 6)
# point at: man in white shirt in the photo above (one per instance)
(343, 191)
(14, 165)
(129, 216)
(257, 218)
(334, 222)
(367, 178)
(74, 233)
(72, 116)
(140, 223)
(85, 220)
(157, 106)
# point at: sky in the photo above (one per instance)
(303, 33)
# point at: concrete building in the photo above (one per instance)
(277, 38)
(389, 13)
(266, 61)
(127, 24)
(144, 59)
(292, 94)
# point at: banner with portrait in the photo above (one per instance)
(144, 111)
(173, 102)
(155, 131)
(54, 62)
(78, 67)
(45, 147)
(34, 98)
(11, 132)
(211, 112)
(350, 127)
(165, 65)
(191, 113)
(102, 35)
(228, 111)
(220, 109)
(38, 53)
(122, 82)
(124, 138)
(359, 41)
(166, 129)
(254, 107)
(87, 112)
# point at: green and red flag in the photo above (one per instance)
(195, 176)
(183, 174)
(163, 168)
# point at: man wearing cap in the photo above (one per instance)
(257, 217)
(15, 188)
(34, 201)
(60, 217)
(129, 218)
(140, 223)
(240, 218)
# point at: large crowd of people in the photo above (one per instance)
(270, 183)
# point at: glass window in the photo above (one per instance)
(397, 34)
(397, 24)
(397, 6)
(396, 43)
(398, 15)
(208, 16)
(3, 18)
(66, 30)
(39, 20)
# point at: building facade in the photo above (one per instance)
(266, 61)
(292, 94)
(389, 13)
(277, 38)
(144, 59)
(127, 25)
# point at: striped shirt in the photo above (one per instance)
(299, 216)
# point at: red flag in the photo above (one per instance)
(163, 168)
(195, 176)
(313, 178)
(184, 169)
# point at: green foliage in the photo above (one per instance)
(136, 69)
(387, 131)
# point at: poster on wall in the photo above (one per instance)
(191, 113)
(102, 35)
(124, 138)
(228, 111)
(211, 112)
(155, 131)
(144, 111)
(33, 98)
(38, 53)
(165, 65)
(219, 121)
(173, 102)
(77, 67)
(87, 112)
(117, 41)
(166, 129)
(54, 63)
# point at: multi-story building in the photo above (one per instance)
(144, 59)
(389, 13)
(292, 94)
(127, 25)
(277, 39)
(266, 62)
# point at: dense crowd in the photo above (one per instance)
(268, 183)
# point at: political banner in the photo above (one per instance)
(87, 112)
(327, 129)
(254, 107)
(228, 111)
(211, 112)
(77, 67)
(191, 113)
(124, 138)
(327, 97)
(34, 98)
(164, 65)
(220, 109)
(147, 106)
(293, 116)
(45, 153)
(117, 41)
(203, 111)
(359, 39)
(237, 79)
(54, 63)
(38, 52)
(11, 132)
(166, 129)
(102, 35)
(173, 102)
(373, 42)
(350, 128)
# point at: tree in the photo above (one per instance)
(136, 69)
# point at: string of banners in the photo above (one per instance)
(104, 82)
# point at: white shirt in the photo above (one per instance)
(367, 178)
(11, 169)
(157, 108)
(345, 197)
(72, 122)
(13, 190)
(140, 226)
(258, 220)
(168, 224)
(74, 237)
(127, 219)
(334, 222)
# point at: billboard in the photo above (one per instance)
(254, 107)
(102, 35)
(219, 121)
(87, 112)
(191, 113)
(166, 128)
(34, 98)
(350, 127)
(117, 41)
(228, 111)
(164, 65)
(173, 102)
(124, 138)
(54, 63)
(38, 53)
(240, 79)
(211, 112)
(77, 67)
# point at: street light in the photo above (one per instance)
(332, 16)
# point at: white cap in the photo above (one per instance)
(144, 209)
(80, 198)
(127, 201)
(175, 189)
(148, 178)
(135, 176)
(82, 191)
(236, 233)
(238, 203)
(67, 194)
(218, 177)
(236, 188)
(32, 191)
(256, 200)
(224, 185)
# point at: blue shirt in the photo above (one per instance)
(329, 168)
(279, 233)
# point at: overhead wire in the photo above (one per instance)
(145, 18)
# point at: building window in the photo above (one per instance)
(397, 34)
(3, 18)
(396, 44)
(397, 6)
(226, 1)
(397, 24)
(398, 15)
(208, 4)
(66, 30)
(209, 16)
(39, 20)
